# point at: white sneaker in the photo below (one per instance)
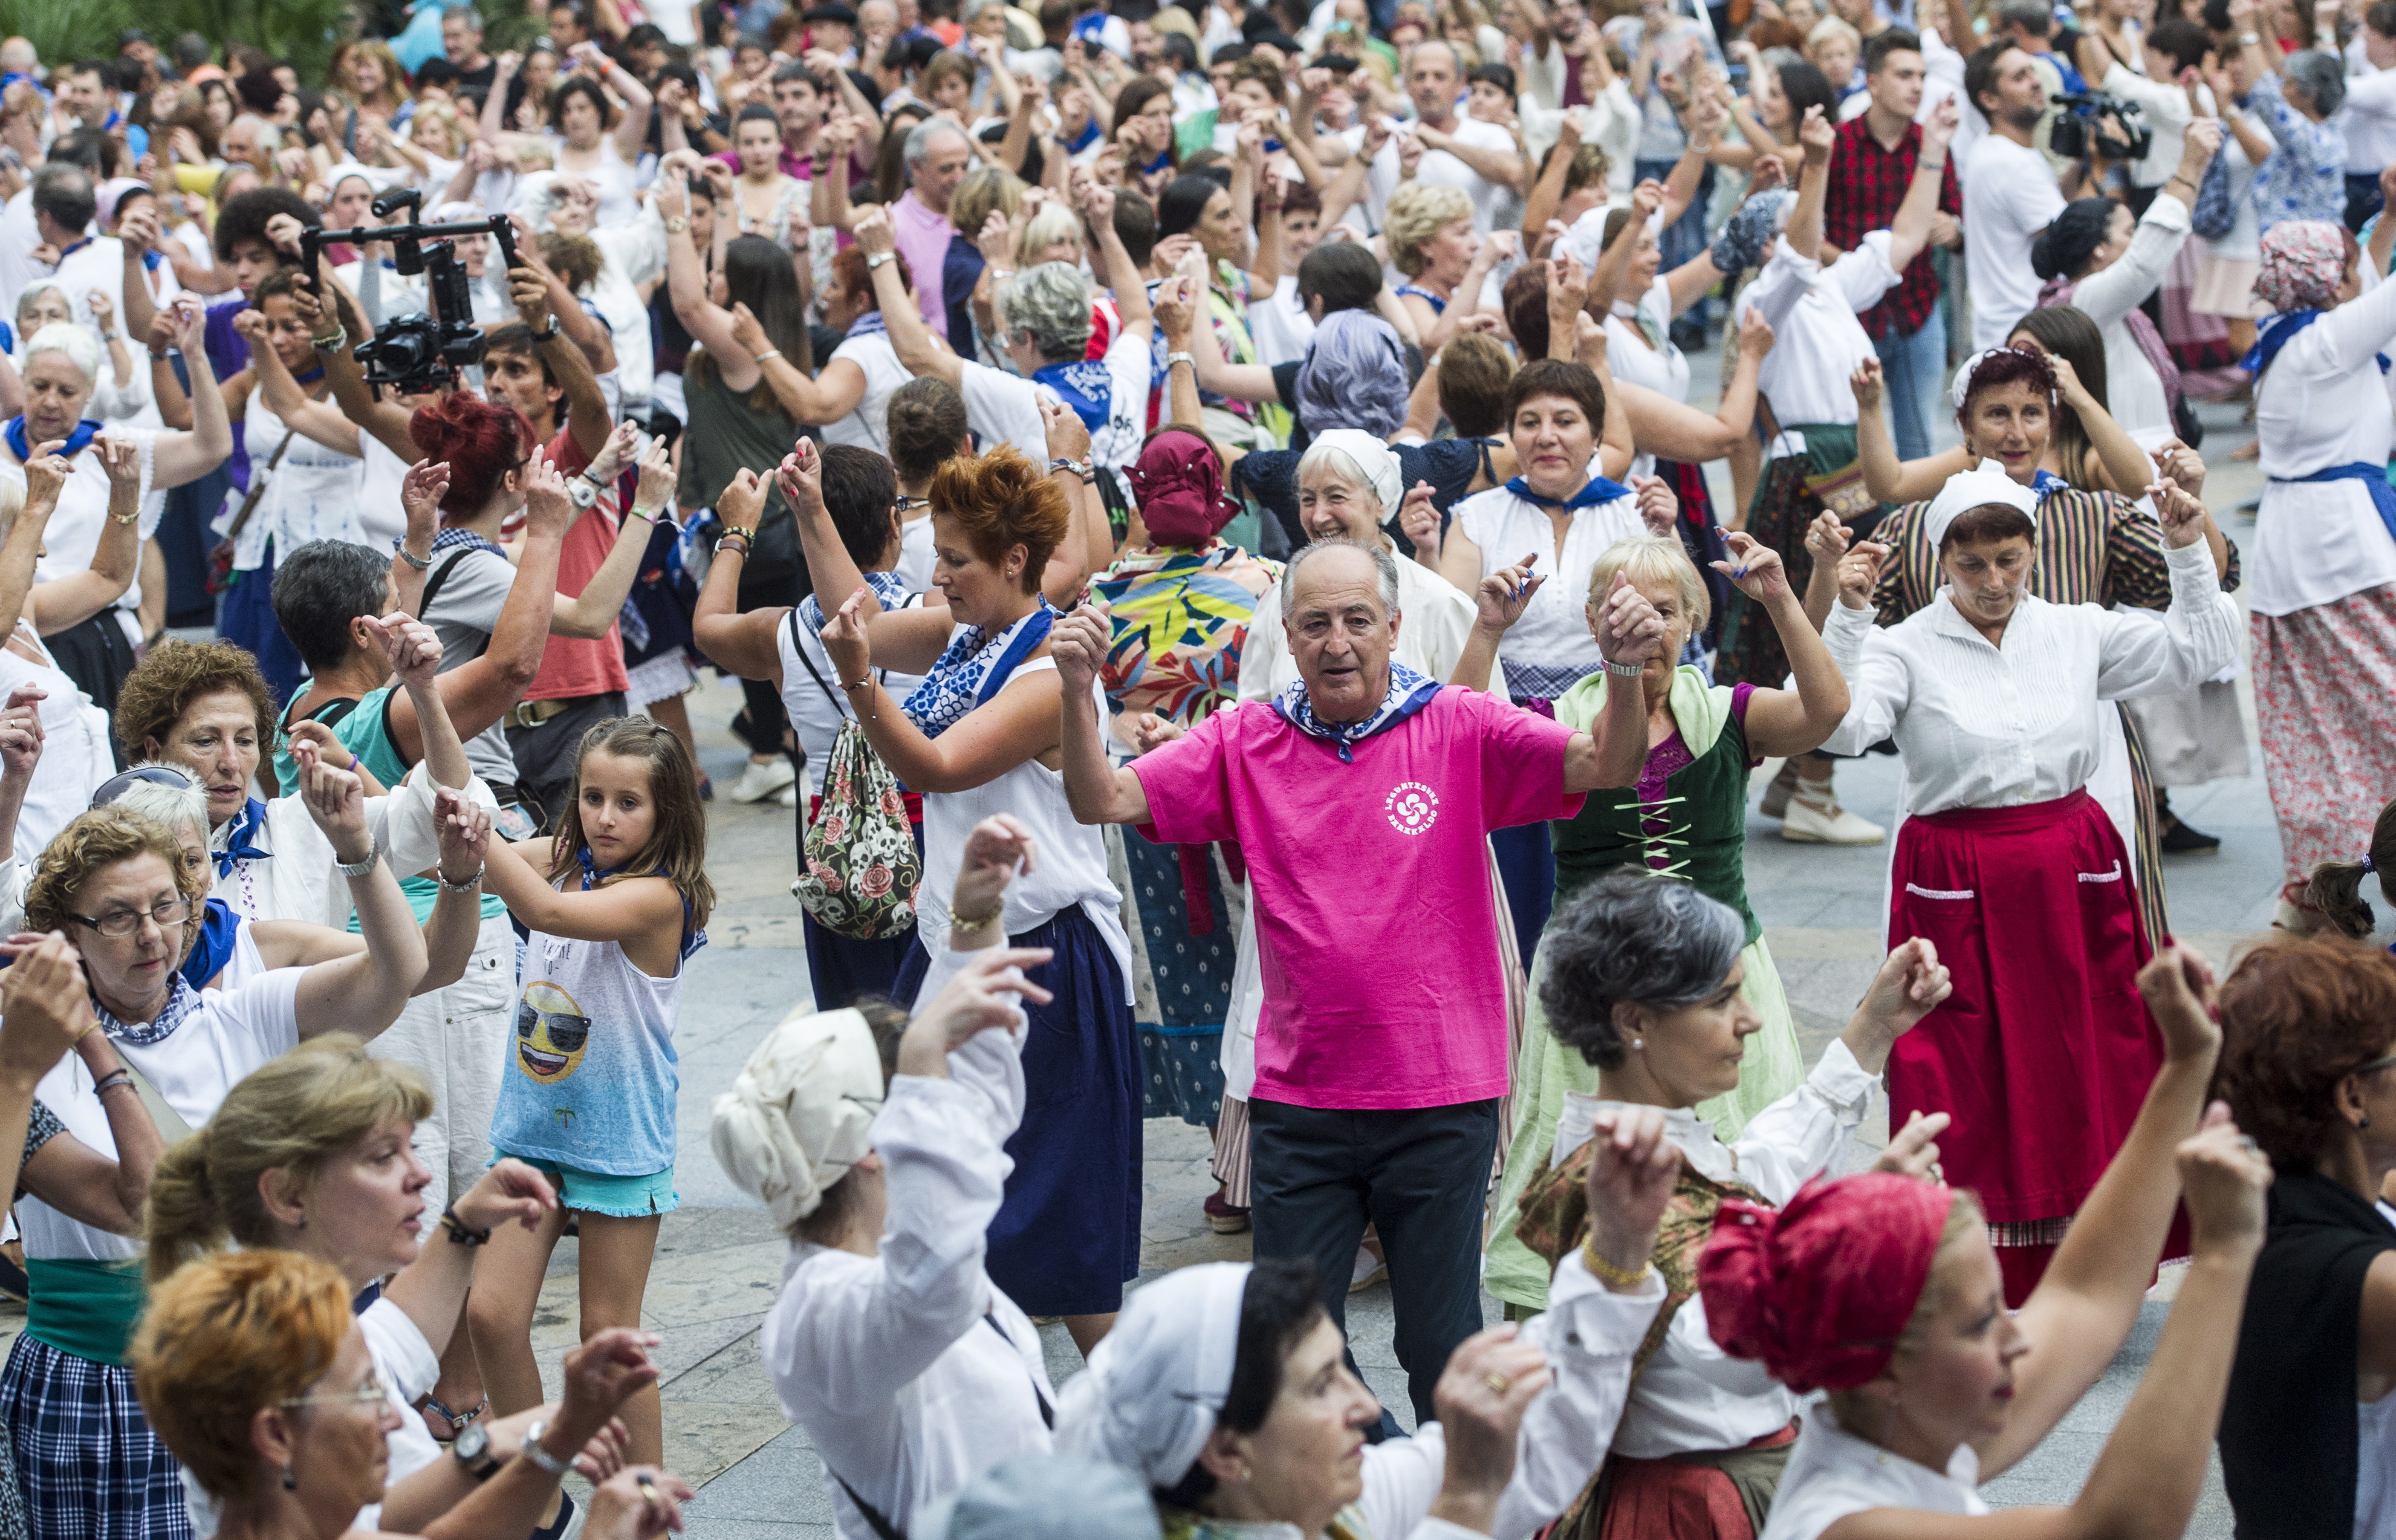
(1369, 1271)
(761, 781)
(789, 797)
(1808, 822)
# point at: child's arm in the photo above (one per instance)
(627, 910)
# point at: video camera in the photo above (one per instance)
(419, 351)
(2084, 121)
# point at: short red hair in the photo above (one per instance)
(482, 441)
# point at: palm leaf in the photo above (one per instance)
(304, 32)
(62, 31)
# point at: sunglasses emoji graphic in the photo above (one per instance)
(551, 1033)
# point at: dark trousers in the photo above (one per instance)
(1418, 1176)
(2362, 198)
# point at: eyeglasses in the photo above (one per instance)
(173, 912)
(364, 1395)
(151, 774)
(2381, 1063)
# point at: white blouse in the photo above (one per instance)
(1832, 1474)
(1663, 369)
(2322, 404)
(294, 880)
(2134, 393)
(887, 1360)
(1817, 342)
(1693, 1396)
(1550, 648)
(1977, 727)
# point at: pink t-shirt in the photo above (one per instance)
(1376, 923)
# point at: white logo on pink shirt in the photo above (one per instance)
(1412, 806)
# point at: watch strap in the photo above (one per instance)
(532, 1451)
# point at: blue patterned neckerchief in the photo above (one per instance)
(181, 999)
(889, 591)
(236, 834)
(2042, 480)
(593, 874)
(453, 537)
(1084, 385)
(871, 324)
(84, 431)
(218, 926)
(1599, 490)
(1409, 693)
(975, 667)
(71, 250)
(2275, 332)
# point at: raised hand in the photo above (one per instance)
(845, 638)
(801, 475)
(1567, 287)
(2183, 516)
(1658, 506)
(2177, 985)
(336, 799)
(1911, 984)
(2180, 464)
(1914, 1151)
(47, 1005)
(1826, 539)
(1151, 731)
(1069, 436)
(615, 454)
(421, 492)
(1770, 172)
(987, 993)
(1866, 384)
(464, 828)
(602, 1374)
(1079, 643)
(1938, 130)
(21, 733)
(639, 1503)
(873, 230)
(997, 850)
(1755, 335)
(1506, 593)
(47, 473)
(1754, 568)
(1631, 1170)
(1420, 520)
(547, 507)
(1817, 134)
(1489, 1382)
(1629, 630)
(1858, 572)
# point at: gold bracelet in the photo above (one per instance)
(1608, 1273)
(959, 923)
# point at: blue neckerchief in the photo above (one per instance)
(889, 591)
(151, 260)
(219, 925)
(1599, 490)
(236, 836)
(449, 539)
(1409, 693)
(72, 249)
(2275, 332)
(181, 999)
(1164, 158)
(311, 376)
(2374, 481)
(84, 431)
(1087, 137)
(593, 874)
(1438, 306)
(871, 322)
(2042, 480)
(1084, 385)
(975, 667)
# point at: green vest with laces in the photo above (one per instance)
(1701, 813)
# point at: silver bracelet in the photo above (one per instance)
(469, 885)
(1625, 670)
(359, 868)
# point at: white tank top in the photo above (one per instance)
(76, 754)
(1073, 863)
(868, 426)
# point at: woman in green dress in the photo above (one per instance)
(1686, 819)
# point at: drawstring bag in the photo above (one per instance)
(861, 866)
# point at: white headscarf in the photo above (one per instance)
(1150, 1397)
(801, 1112)
(1372, 459)
(1984, 483)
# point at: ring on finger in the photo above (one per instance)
(1497, 1382)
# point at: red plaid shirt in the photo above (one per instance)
(1868, 182)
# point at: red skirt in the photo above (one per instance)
(2045, 1051)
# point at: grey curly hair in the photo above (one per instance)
(1052, 304)
(1632, 939)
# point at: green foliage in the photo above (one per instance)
(305, 32)
(64, 30)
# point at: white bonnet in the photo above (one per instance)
(801, 1112)
(1371, 458)
(1153, 1387)
(1984, 483)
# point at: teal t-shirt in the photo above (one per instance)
(366, 732)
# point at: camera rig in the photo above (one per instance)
(2082, 123)
(419, 351)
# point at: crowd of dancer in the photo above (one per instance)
(1206, 510)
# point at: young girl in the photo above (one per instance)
(614, 904)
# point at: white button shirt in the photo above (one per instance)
(1832, 1474)
(296, 880)
(1817, 341)
(2133, 391)
(1692, 1395)
(2324, 403)
(1979, 726)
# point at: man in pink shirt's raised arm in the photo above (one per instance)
(1363, 799)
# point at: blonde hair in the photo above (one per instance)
(1653, 558)
(1416, 213)
(294, 1114)
(985, 190)
(226, 1339)
(1829, 28)
(98, 839)
(1051, 223)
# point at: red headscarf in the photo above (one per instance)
(1180, 483)
(1819, 1290)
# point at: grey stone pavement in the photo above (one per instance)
(720, 1261)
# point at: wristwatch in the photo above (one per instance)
(472, 1448)
(531, 1449)
(1624, 671)
(676, 225)
(362, 868)
(551, 335)
(581, 492)
(876, 259)
(1177, 357)
(2248, 40)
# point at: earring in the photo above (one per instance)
(290, 1482)
(1639, 1042)
(1246, 1474)
(2363, 1124)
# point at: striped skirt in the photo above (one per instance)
(2326, 705)
(88, 1465)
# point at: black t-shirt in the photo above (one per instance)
(477, 84)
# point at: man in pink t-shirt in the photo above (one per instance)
(1363, 800)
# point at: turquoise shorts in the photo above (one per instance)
(598, 1193)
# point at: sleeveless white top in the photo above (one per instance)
(607, 1102)
(868, 426)
(312, 494)
(1072, 868)
(1550, 648)
(72, 537)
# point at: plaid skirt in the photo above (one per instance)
(88, 1465)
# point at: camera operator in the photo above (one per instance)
(2009, 193)
(2168, 101)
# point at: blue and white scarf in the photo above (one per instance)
(593, 874)
(2276, 332)
(1409, 693)
(181, 999)
(868, 325)
(889, 589)
(2042, 480)
(1599, 490)
(976, 667)
(84, 431)
(236, 835)
(1084, 385)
